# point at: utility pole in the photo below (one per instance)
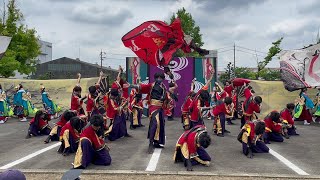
(234, 56)
(102, 57)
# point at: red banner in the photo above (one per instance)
(155, 42)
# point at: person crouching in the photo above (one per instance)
(273, 130)
(251, 136)
(92, 148)
(39, 125)
(191, 146)
(70, 136)
(55, 132)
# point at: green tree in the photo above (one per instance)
(241, 72)
(270, 75)
(244, 72)
(224, 77)
(190, 28)
(274, 49)
(24, 47)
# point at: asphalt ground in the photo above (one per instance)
(130, 154)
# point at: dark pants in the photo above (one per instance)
(55, 137)
(156, 133)
(203, 155)
(235, 115)
(138, 114)
(195, 123)
(243, 121)
(33, 130)
(119, 128)
(272, 136)
(260, 147)
(73, 145)
(89, 155)
(222, 118)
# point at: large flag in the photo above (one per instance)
(4, 43)
(300, 68)
(155, 42)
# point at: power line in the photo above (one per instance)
(251, 49)
(225, 51)
(249, 53)
(119, 54)
(223, 47)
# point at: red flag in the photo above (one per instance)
(240, 81)
(155, 42)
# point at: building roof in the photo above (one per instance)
(82, 62)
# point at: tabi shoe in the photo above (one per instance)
(2, 122)
(47, 140)
(170, 119)
(306, 122)
(214, 131)
(150, 148)
(66, 152)
(220, 135)
(156, 145)
(24, 119)
(188, 165)
(286, 136)
(226, 131)
(28, 136)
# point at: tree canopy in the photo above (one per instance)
(24, 47)
(190, 28)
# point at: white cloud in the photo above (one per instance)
(92, 25)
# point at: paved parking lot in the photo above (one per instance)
(131, 153)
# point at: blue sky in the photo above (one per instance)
(92, 25)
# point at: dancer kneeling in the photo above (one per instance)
(251, 138)
(39, 125)
(287, 121)
(273, 130)
(55, 132)
(70, 136)
(92, 148)
(191, 146)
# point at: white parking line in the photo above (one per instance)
(16, 162)
(154, 160)
(288, 163)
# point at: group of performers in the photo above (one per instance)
(305, 106)
(21, 105)
(83, 130)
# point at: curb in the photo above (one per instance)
(156, 173)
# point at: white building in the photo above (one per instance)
(46, 52)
